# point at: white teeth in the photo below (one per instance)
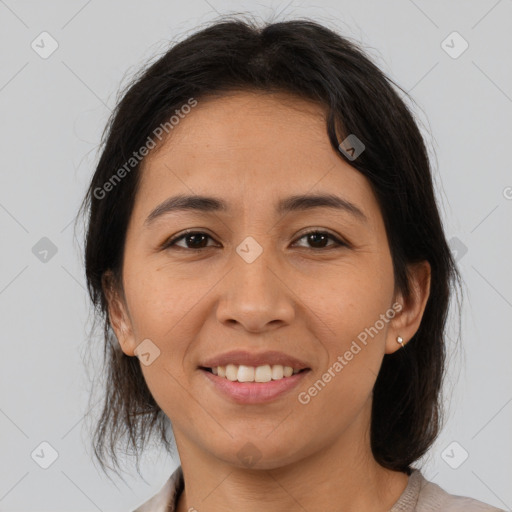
(277, 372)
(288, 371)
(245, 373)
(231, 372)
(264, 373)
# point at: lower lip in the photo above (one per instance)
(254, 392)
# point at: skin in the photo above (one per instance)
(305, 299)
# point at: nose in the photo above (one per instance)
(255, 296)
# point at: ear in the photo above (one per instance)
(408, 319)
(118, 313)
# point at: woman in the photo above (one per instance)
(266, 251)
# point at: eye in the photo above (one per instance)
(195, 238)
(318, 238)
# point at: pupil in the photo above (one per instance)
(194, 236)
(313, 236)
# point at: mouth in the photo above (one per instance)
(261, 374)
(245, 385)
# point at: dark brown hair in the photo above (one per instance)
(311, 61)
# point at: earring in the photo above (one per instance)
(400, 340)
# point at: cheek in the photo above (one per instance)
(158, 302)
(165, 309)
(353, 314)
(354, 352)
(348, 298)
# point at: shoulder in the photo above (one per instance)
(432, 497)
(165, 499)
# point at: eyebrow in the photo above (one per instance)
(300, 202)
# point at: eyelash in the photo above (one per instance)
(172, 241)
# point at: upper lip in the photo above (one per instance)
(246, 358)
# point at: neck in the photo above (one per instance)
(341, 476)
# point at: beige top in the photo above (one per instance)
(420, 495)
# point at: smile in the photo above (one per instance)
(244, 373)
(251, 391)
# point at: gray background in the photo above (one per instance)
(53, 111)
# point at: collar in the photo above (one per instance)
(166, 499)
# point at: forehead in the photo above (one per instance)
(251, 148)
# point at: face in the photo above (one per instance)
(250, 278)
